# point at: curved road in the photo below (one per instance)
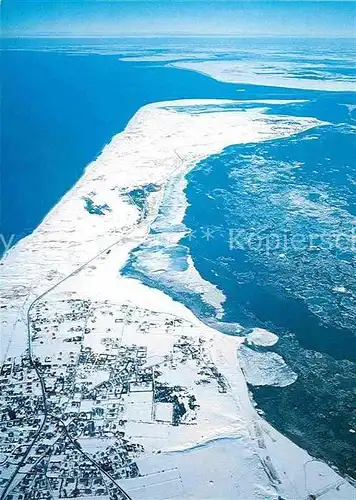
(29, 342)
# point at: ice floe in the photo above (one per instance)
(265, 368)
(262, 337)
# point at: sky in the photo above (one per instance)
(188, 17)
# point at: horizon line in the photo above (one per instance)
(171, 35)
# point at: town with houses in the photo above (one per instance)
(64, 413)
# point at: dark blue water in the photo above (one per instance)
(283, 252)
(59, 110)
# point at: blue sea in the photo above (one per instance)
(279, 215)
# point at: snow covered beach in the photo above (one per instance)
(158, 143)
(268, 73)
(77, 253)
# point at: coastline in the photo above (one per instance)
(80, 239)
(159, 142)
(231, 72)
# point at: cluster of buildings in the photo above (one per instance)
(71, 441)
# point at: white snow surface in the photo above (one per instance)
(275, 74)
(265, 368)
(262, 337)
(231, 452)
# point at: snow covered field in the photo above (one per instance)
(78, 250)
(270, 73)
